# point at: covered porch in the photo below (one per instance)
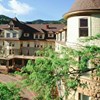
(14, 62)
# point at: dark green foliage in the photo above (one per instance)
(4, 19)
(39, 21)
(9, 91)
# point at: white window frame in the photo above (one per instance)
(83, 27)
(38, 36)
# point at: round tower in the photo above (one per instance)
(83, 19)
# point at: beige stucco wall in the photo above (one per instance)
(1, 42)
(19, 32)
(63, 36)
(16, 44)
(95, 24)
(73, 28)
(31, 44)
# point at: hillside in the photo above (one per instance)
(4, 20)
(61, 21)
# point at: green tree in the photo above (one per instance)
(67, 66)
(9, 91)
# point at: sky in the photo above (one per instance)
(29, 10)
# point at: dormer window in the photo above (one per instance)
(14, 35)
(40, 36)
(83, 27)
(50, 35)
(36, 36)
(26, 34)
(8, 35)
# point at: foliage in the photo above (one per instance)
(67, 66)
(91, 38)
(39, 21)
(9, 91)
(4, 19)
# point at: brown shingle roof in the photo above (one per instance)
(47, 27)
(5, 26)
(80, 6)
(85, 5)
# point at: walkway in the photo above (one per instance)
(4, 78)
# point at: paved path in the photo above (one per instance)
(4, 78)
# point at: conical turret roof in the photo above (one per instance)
(84, 6)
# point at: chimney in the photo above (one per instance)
(47, 26)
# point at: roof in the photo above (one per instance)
(4, 26)
(50, 28)
(62, 29)
(84, 6)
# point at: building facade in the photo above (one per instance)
(83, 20)
(21, 41)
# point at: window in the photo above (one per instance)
(26, 34)
(83, 22)
(41, 46)
(10, 43)
(50, 35)
(36, 36)
(40, 36)
(83, 27)
(13, 52)
(83, 97)
(3, 42)
(14, 35)
(13, 45)
(21, 44)
(8, 35)
(37, 46)
(28, 45)
(60, 36)
(66, 35)
(9, 51)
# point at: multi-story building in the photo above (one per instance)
(19, 41)
(83, 20)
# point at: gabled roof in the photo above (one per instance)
(18, 25)
(50, 28)
(80, 6)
